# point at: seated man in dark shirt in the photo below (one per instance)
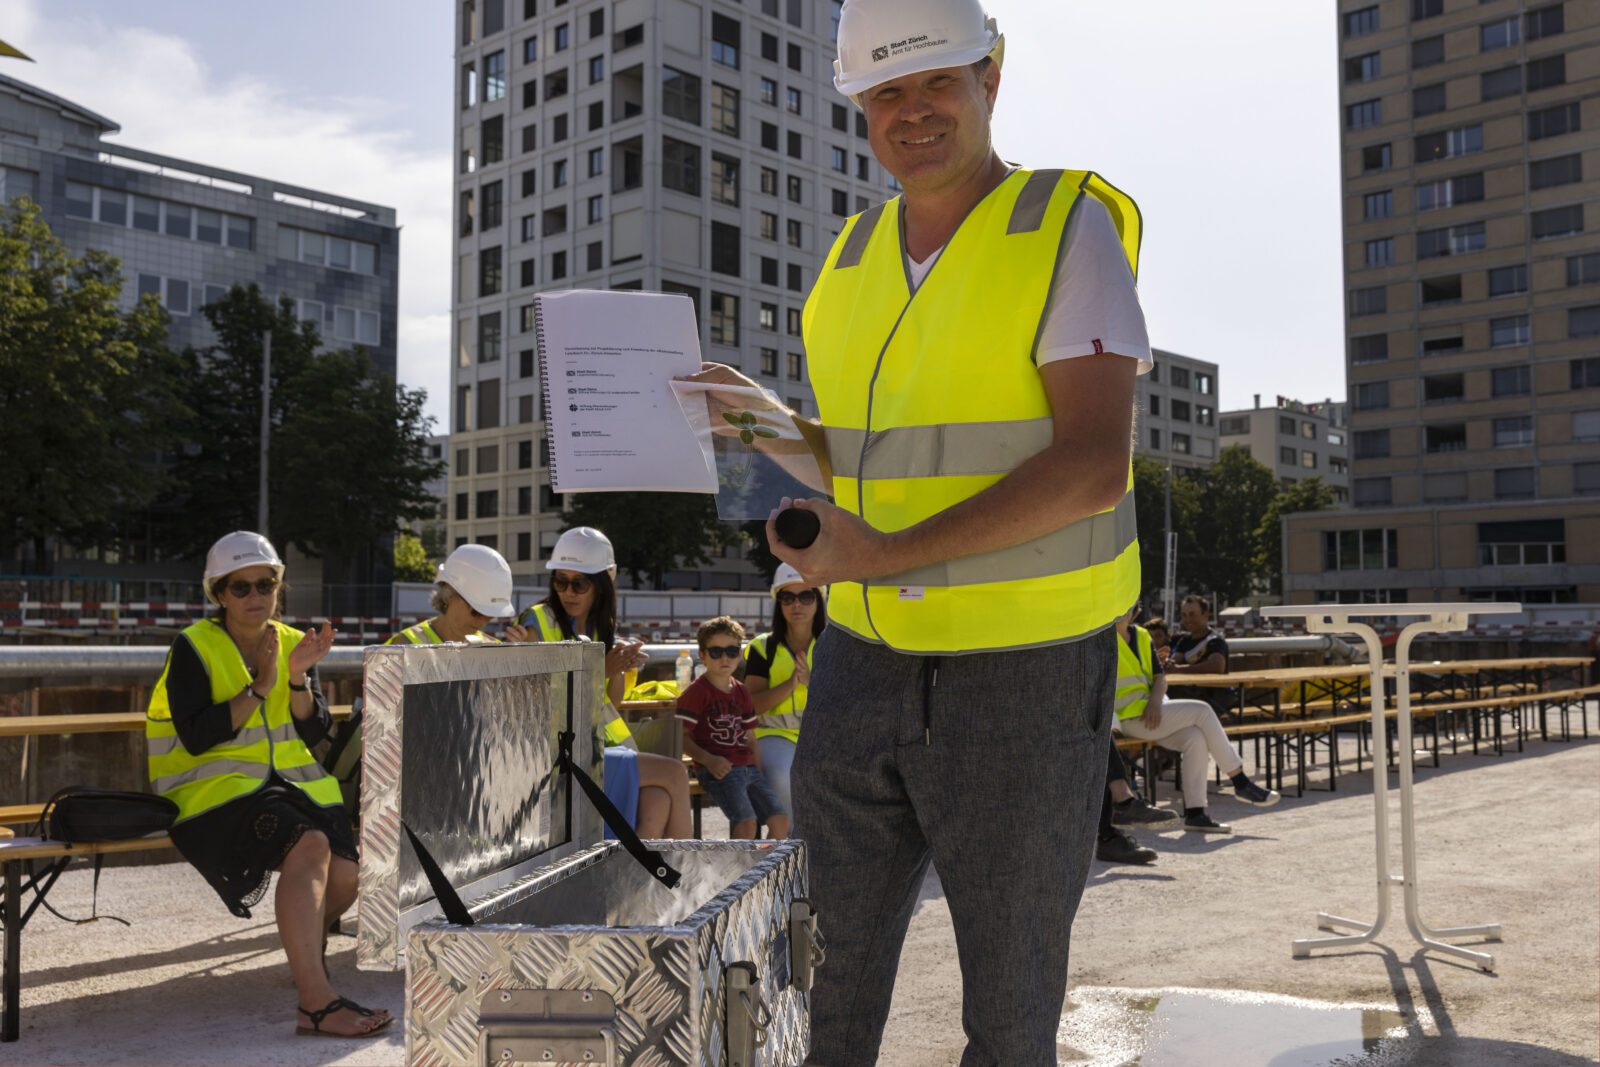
(1197, 649)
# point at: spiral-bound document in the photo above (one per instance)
(608, 358)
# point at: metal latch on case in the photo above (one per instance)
(546, 1026)
(746, 1016)
(807, 947)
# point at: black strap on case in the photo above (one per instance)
(445, 893)
(648, 858)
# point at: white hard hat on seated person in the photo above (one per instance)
(786, 575)
(236, 551)
(585, 550)
(881, 40)
(482, 577)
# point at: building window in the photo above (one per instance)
(1530, 542)
(769, 362)
(488, 505)
(793, 233)
(597, 69)
(680, 166)
(489, 337)
(1308, 460)
(494, 76)
(1371, 492)
(795, 144)
(1427, 100)
(796, 188)
(680, 96)
(489, 275)
(1362, 22)
(555, 221)
(1369, 396)
(1443, 388)
(1510, 381)
(525, 363)
(796, 283)
(1427, 51)
(1558, 222)
(1378, 205)
(1452, 240)
(1375, 157)
(1181, 443)
(1426, 9)
(1440, 437)
(725, 41)
(1583, 322)
(1179, 411)
(724, 179)
(725, 254)
(1364, 114)
(1505, 33)
(1515, 483)
(1155, 404)
(1445, 289)
(563, 37)
(1374, 301)
(1235, 426)
(1583, 270)
(494, 140)
(1155, 438)
(1513, 432)
(558, 265)
(1373, 348)
(769, 136)
(769, 271)
(1498, 84)
(1508, 281)
(840, 202)
(558, 173)
(724, 319)
(1586, 425)
(794, 57)
(1507, 331)
(1545, 22)
(724, 110)
(769, 92)
(1360, 550)
(597, 115)
(1448, 144)
(1379, 253)
(1448, 345)
(1546, 73)
(627, 38)
(767, 318)
(796, 367)
(1362, 68)
(1561, 170)
(1553, 121)
(1367, 444)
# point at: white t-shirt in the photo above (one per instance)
(1095, 306)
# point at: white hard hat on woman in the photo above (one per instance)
(585, 550)
(786, 575)
(881, 40)
(482, 577)
(238, 550)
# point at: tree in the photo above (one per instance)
(1149, 498)
(653, 533)
(346, 450)
(1310, 494)
(89, 393)
(1232, 496)
(760, 554)
(410, 560)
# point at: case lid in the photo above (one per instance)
(461, 743)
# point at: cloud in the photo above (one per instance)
(168, 98)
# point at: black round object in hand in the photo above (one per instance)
(797, 527)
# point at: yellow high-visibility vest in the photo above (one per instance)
(616, 730)
(1135, 673)
(266, 742)
(784, 719)
(929, 397)
(423, 633)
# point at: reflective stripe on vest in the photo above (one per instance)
(420, 634)
(615, 729)
(785, 716)
(930, 397)
(266, 742)
(1135, 673)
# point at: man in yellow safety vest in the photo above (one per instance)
(973, 345)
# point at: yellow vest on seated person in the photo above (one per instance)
(783, 720)
(616, 731)
(1135, 673)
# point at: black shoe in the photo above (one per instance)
(1250, 793)
(1205, 824)
(1135, 812)
(1120, 848)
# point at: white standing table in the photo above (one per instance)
(1436, 618)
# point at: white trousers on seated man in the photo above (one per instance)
(1191, 728)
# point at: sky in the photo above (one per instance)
(1220, 119)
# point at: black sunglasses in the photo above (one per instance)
(718, 651)
(241, 588)
(804, 596)
(577, 585)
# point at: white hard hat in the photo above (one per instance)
(236, 551)
(881, 40)
(482, 577)
(786, 575)
(585, 550)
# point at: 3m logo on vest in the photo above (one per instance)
(913, 592)
(880, 53)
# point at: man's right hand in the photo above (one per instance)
(718, 766)
(1152, 716)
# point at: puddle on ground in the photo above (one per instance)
(1110, 1027)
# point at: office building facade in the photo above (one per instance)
(1177, 404)
(1296, 440)
(668, 145)
(1471, 172)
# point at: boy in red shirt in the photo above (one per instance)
(718, 716)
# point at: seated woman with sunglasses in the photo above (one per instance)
(473, 586)
(227, 733)
(778, 671)
(651, 791)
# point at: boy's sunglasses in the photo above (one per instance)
(718, 651)
(804, 596)
(242, 588)
(577, 585)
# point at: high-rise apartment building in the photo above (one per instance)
(1471, 171)
(1297, 440)
(670, 145)
(1177, 404)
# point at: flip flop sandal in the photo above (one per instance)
(316, 1017)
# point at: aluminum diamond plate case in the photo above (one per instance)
(461, 746)
(590, 960)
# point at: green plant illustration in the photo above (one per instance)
(749, 429)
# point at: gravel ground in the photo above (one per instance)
(1513, 839)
